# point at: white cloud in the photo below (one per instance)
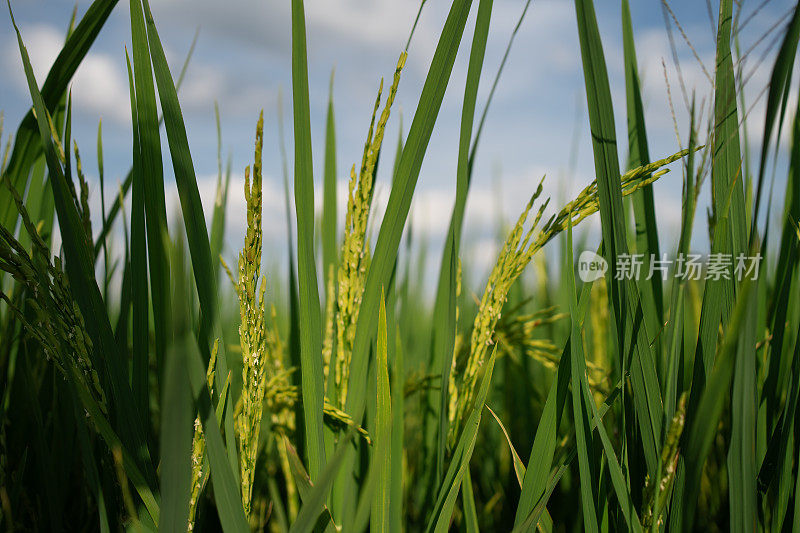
(98, 85)
(372, 22)
(204, 83)
(42, 43)
(368, 22)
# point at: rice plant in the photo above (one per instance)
(614, 401)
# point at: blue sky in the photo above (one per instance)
(537, 124)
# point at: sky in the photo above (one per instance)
(537, 123)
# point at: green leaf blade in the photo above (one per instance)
(310, 318)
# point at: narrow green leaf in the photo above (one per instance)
(697, 441)
(366, 500)
(580, 410)
(777, 95)
(545, 524)
(729, 229)
(443, 339)
(519, 466)
(742, 469)
(796, 520)
(625, 306)
(538, 514)
(177, 415)
(534, 484)
(191, 205)
(114, 210)
(382, 453)
(443, 331)
(673, 385)
(776, 469)
(302, 480)
(35, 199)
(193, 218)
(784, 309)
(729, 236)
(220, 203)
(617, 476)
(152, 172)
(398, 434)
(310, 319)
(329, 220)
(299, 473)
(141, 325)
(176, 441)
(315, 501)
(678, 328)
(329, 256)
(468, 499)
(644, 209)
(439, 520)
(101, 176)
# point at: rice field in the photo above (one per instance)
(614, 390)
